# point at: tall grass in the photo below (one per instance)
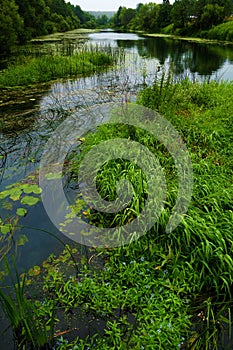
(197, 256)
(29, 332)
(50, 67)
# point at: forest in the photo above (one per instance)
(21, 20)
(184, 17)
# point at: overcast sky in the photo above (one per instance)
(108, 5)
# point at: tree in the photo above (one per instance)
(147, 17)
(116, 18)
(10, 25)
(201, 4)
(102, 20)
(164, 16)
(126, 15)
(181, 12)
(212, 15)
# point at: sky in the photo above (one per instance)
(108, 5)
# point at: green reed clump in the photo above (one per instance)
(197, 256)
(51, 67)
(29, 330)
(202, 113)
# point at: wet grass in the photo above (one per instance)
(176, 286)
(195, 261)
(51, 67)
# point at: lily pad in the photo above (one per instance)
(29, 200)
(21, 211)
(7, 205)
(31, 189)
(5, 229)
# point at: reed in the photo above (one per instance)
(20, 311)
(51, 67)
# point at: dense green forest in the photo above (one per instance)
(21, 20)
(183, 17)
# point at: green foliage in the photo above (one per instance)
(181, 12)
(183, 17)
(50, 67)
(125, 289)
(21, 20)
(10, 25)
(27, 194)
(195, 261)
(29, 331)
(223, 31)
(162, 291)
(212, 15)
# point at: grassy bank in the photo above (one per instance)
(189, 270)
(220, 34)
(164, 290)
(211, 38)
(51, 67)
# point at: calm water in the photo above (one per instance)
(189, 58)
(23, 137)
(22, 141)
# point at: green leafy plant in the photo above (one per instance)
(29, 332)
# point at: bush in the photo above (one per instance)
(223, 32)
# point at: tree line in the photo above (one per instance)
(182, 17)
(21, 20)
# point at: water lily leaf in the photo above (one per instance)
(21, 211)
(5, 229)
(13, 193)
(29, 200)
(4, 194)
(22, 240)
(15, 198)
(32, 189)
(37, 189)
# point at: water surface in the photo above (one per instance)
(24, 135)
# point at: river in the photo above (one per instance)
(36, 116)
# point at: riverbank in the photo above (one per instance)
(189, 39)
(164, 290)
(51, 67)
(77, 35)
(221, 34)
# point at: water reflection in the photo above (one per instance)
(201, 59)
(188, 57)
